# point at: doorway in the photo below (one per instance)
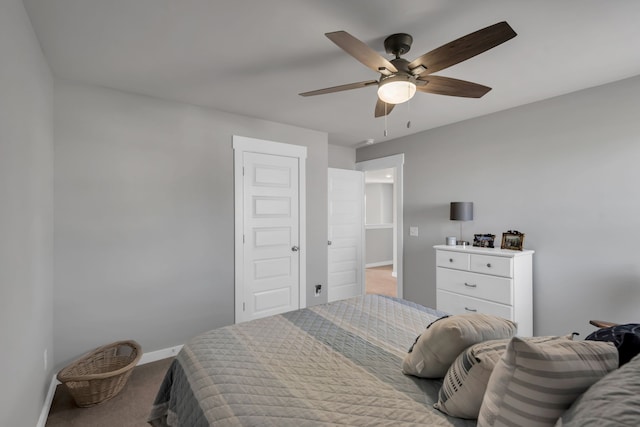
(380, 265)
(391, 165)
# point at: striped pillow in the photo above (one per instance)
(614, 401)
(533, 384)
(466, 380)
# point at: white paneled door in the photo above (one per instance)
(270, 238)
(346, 234)
(271, 247)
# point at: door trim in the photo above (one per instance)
(241, 145)
(396, 161)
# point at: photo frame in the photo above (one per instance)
(513, 240)
(483, 240)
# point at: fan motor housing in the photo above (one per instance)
(398, 44)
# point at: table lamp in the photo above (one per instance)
(461, 211)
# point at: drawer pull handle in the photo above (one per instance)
(473, 310)
(470, 285)
(488, 265)
(450, 259)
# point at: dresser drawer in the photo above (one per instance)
(455, 260)
(459, 304)
(486, 264)
(497, 289)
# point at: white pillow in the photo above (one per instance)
(466, 380)
(533, 384)
(443, 340)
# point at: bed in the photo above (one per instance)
(332, 364)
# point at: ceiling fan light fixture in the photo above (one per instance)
(396, 89)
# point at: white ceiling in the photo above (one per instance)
(253, 57)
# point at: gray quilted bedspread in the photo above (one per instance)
(333, 364)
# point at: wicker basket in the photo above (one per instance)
(101, 374)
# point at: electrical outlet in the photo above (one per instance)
(318, 290)
(413, 231)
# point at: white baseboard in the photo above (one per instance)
(164, 353)
(44, 414)
(378, 264)
(149, 357)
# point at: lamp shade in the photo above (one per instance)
(461, 211)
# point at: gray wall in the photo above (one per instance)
(379, 210)
(565, 171)
(379, 245)
(26, 219)
(342, 157)
(144, 218)
(379, 200)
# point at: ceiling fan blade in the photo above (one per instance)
(380, 108)
(452, 87)
(340, 88)
(362, 52)
(463, 48)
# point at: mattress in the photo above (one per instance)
(332, 364)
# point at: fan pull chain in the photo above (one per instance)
(409, 108)
(385, 119)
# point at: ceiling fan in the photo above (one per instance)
(400, 79)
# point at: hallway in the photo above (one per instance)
(379, 280)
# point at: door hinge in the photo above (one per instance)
(243, 307)
(243, 171)
(243, 238)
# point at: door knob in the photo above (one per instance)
(329, 242)
(295, 249)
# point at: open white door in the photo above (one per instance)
(346, 234)
(269, 232)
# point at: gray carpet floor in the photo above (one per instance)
(130, 408)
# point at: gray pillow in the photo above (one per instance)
(439, 345)
(466, 380)
(614, 401)
(533, 384)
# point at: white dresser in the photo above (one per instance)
(485, 280)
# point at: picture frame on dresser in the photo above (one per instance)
(512, 240)
(483, 240)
